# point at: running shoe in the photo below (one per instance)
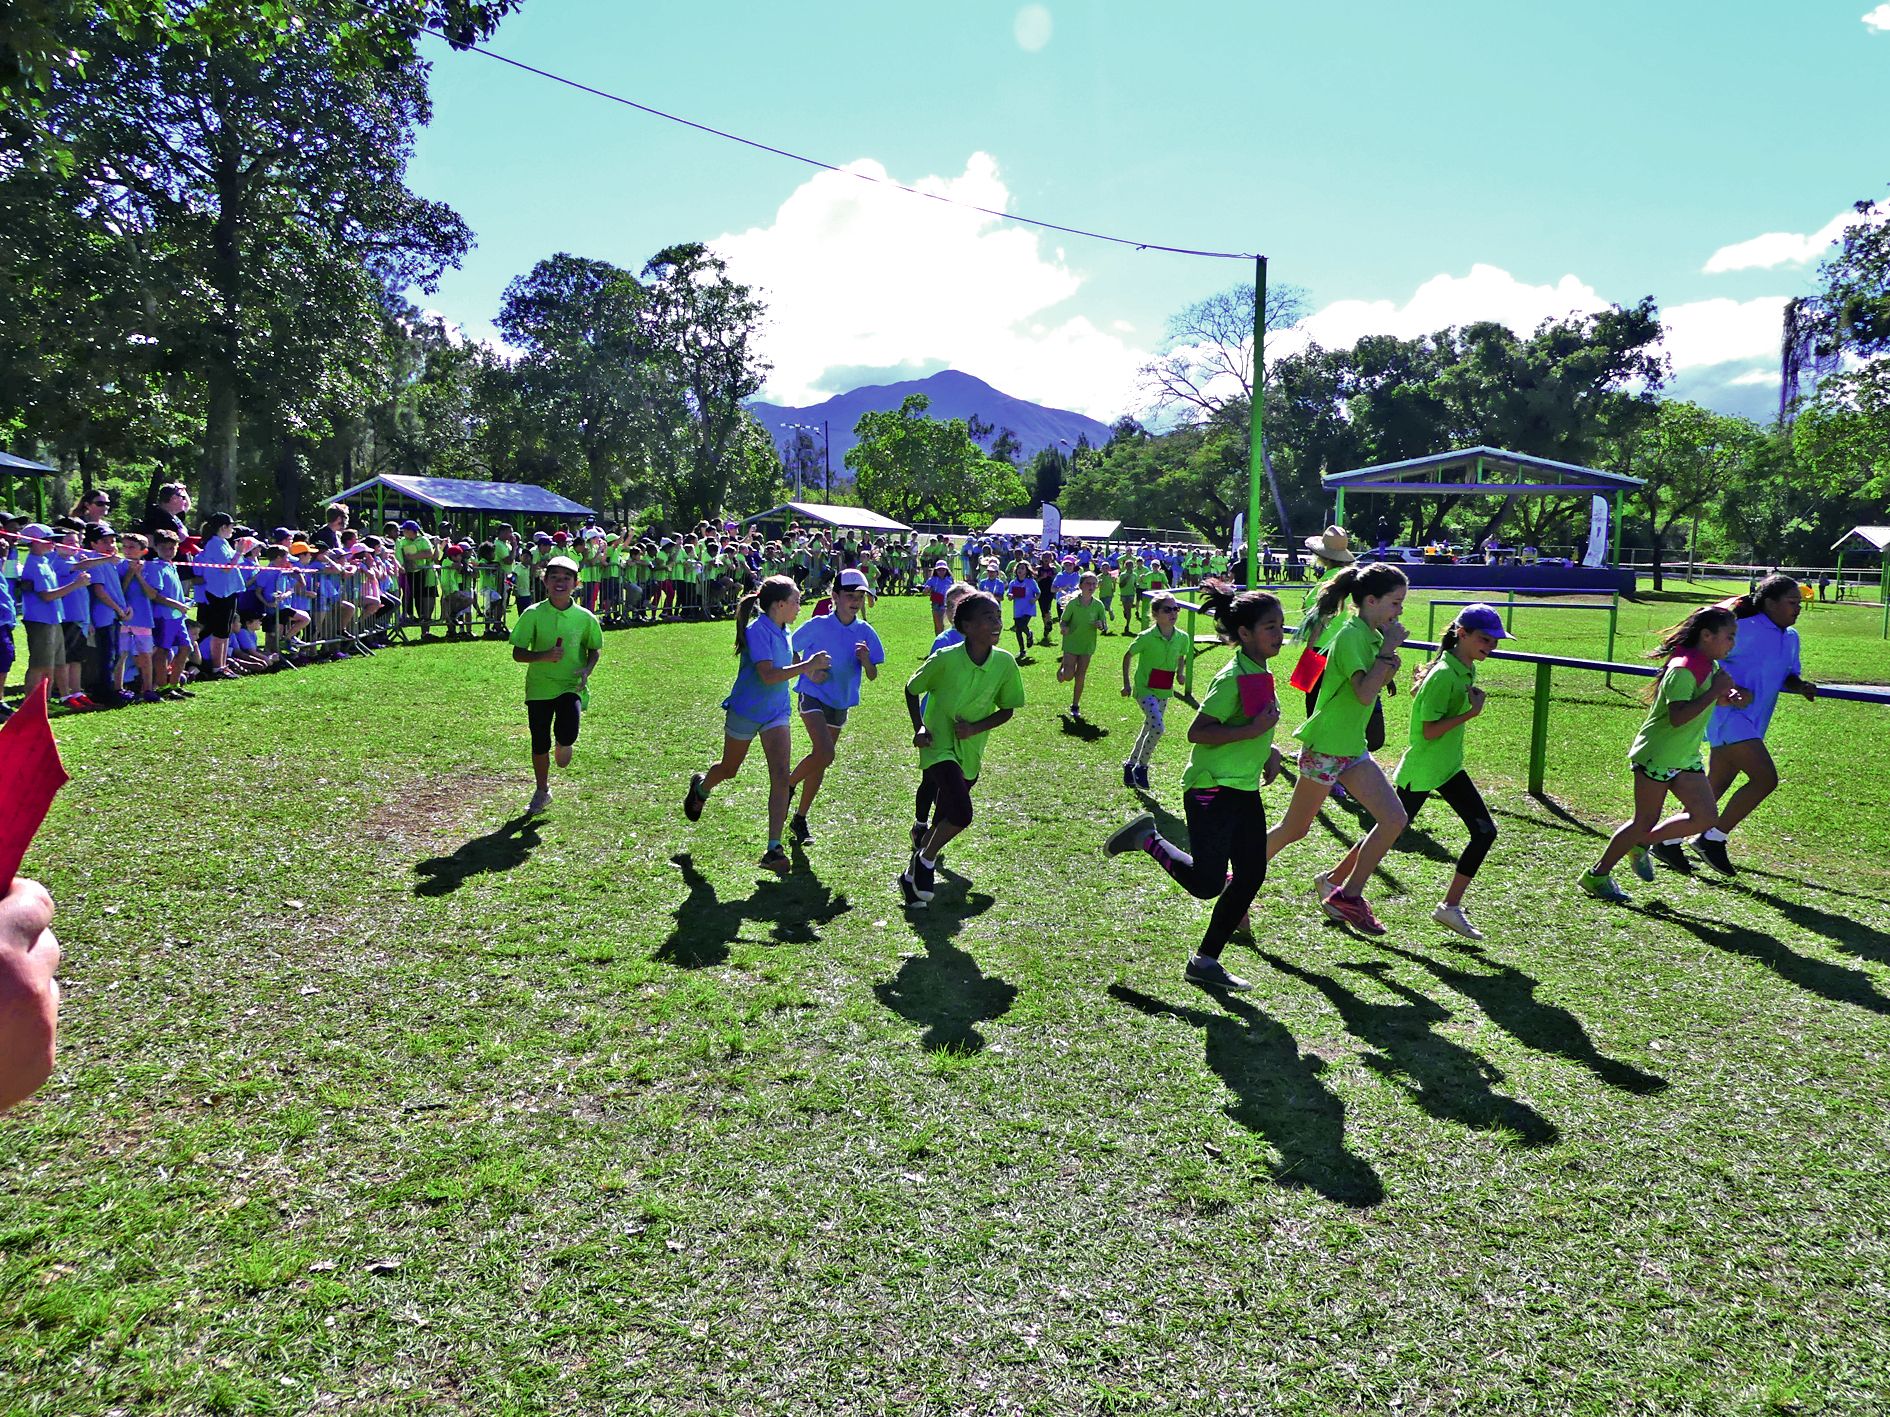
(798, 828)
(150, 696)
(1603, 887)
(1713, 853)
(1321, 888)
(1354, 912)
(1451, 917)
(923, 876)
(1212, 974)
(1641, 864)
(919, 829)
(1128, 775)
(1134, 835)
(78, 703)
(541, 802)
(1669, 854)
(776, 860)
(694, 798)
(910, 890)
(1141, 777)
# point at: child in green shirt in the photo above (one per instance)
(559, 641)
(1233, 756)
(1665, 756)
(1083, 617)
(1153, 663)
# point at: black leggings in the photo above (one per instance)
(945, 786)
(1374, 726)
(1227, 827)
(1463, 798)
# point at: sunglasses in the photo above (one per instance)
(99, 501)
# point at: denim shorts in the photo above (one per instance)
(743, 729)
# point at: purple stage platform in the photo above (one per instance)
(1575, 580)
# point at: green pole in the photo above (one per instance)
(1617, 530)
(1614, 608)
(1430, 625)
(1256, 444)
(1884, 595)
(1539, 731)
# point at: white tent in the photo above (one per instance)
(1877, 536)
(845, 518)
(1073, 530)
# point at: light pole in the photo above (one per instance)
(797, 429)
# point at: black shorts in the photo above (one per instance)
(77, 636)
(952, 793)
(219, 614)
(834, 717)
(551, 718)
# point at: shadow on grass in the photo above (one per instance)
(1570, 822)
(943, 991)
(1803, 884)
(1278, 1095)
(1083, 729)
(1846, 934)
(1446, 1079)
(791, 906)
(1507, 997)
(503, 849)
(1830, 981)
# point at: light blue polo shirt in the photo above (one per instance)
(842, 687)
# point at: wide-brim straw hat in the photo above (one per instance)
(1333, 544)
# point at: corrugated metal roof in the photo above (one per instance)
(858, 518)
(453, 494)
(1877, 536)
(1405, 476)
(17, 464)
(1072, 528)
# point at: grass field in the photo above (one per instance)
(376, 1097)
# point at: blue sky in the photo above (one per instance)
(1406, 165)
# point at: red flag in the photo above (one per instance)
(30, 775)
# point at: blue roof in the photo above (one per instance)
(453, 494)
(1516, 472)
(10, 463)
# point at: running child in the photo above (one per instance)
(1665, 755)
(1023, 594)
(1106, 579)
(760, 704)
(1083, 616)
(936, 585)
(1152, 664)
(967, 690)
(1045, 573)
(558, 641)
(827, 696)
(1361, 659)
(1233, 756)
(1764, 661)
(1444, 698)
(991, 581)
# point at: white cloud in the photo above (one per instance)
(1784, 248)
(1486, 293)
(1717, 331)
(1032, 28)
(1879, 19)
(859, 275)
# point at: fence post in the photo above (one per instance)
(1539, 731)
(1614, 608)
(1430, 628)
(1509, 611)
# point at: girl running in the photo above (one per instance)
(1151, 664)
(759, 704)
(991, 582)
(1106, 591)
(1444, 698)
(1361, 659)
(1083, 616)
(1233, 756)
(1666, 752)
(968, 690)
(936, 585)
(853, 648)
(1023, 594)
(1764, 661)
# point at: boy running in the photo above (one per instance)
(559, 641)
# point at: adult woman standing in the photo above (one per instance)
(1764, 661)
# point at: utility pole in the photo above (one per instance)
(826, 456)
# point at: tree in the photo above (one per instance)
(917, 468)
(257, 187)
(1685, 456)
(1194, 477)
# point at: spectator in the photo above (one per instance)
(166, 512)
(222, 582)
(329, 537)
(94, 506)
(108, 614)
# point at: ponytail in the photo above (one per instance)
(1773, 587)
(1447, 645)
(1236, 611)
(1358, 583)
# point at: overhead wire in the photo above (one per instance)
(815, 162)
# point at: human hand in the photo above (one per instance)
(29, 993)
(1274, 760)
(922, 739)
(964, 729)
(1266, 720)
(1476, 701)
(1395, 635)
(862, 654)
(556, 652)
(820, 661)
(83, 578)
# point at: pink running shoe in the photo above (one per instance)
(1354, 912)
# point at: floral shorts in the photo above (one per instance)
(1668, 774)
(1327, 767)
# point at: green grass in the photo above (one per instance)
(374, 1098)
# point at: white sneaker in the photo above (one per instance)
(1451, 917)
(1321, 888)
(541, 802)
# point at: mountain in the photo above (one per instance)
(953, 395)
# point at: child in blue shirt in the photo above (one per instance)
(108, 612)
(1022, 592)
(8, 618)
(827, 697)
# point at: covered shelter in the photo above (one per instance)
(1484, 472)
(1877, 538)
(437, 500)
(17, 475)
(1074, 529)
(834, 518)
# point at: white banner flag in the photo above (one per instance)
(1597, 533)
(1238, 551)
(1052, 527)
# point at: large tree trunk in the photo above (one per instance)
(217, 489)
(1660, 543)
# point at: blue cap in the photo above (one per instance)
(34, 531)
(1483, 619)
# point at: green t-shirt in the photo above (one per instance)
(955, 688)
(452, 579)
(1080, 624)
(1106, 582)
(1337, 725)
(1429, 763)
(1152, 652)
(416, 554)
(540, 628)
(1661, 746)
(1229, 764)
